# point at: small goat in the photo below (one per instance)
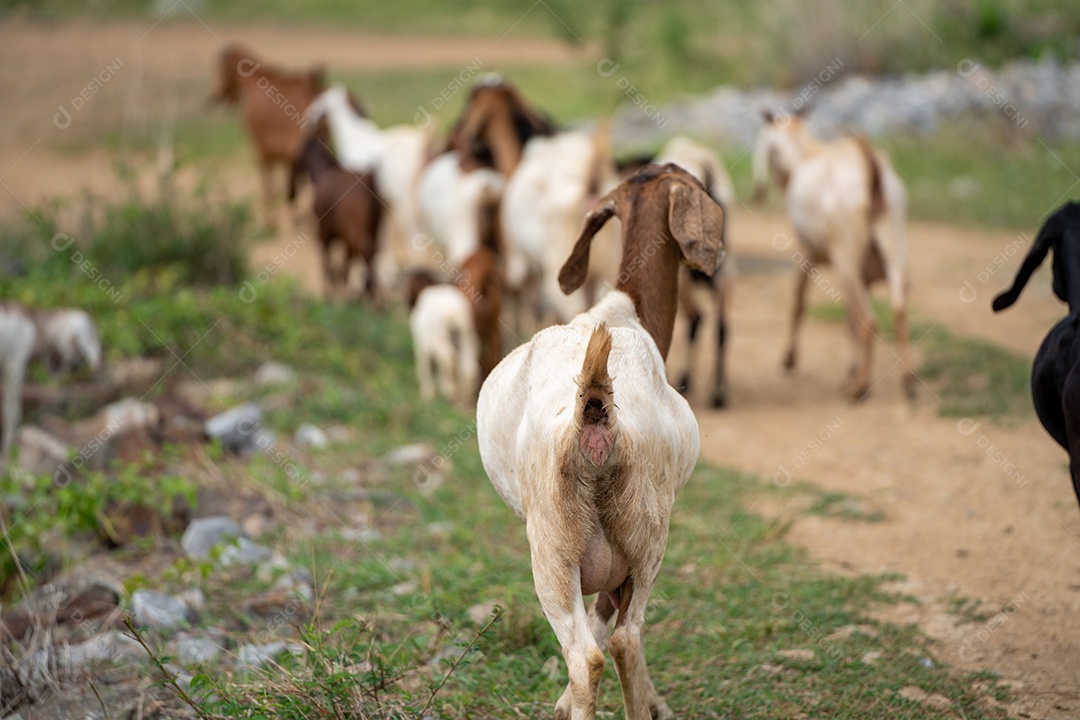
(395, 154)
(346, 207)
(583, 437)
(1055, 375)
(445, 343)
(848, 208)
(64, 340)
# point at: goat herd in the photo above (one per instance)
(511, 224)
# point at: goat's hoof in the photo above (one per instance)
(857, 391)
(719, 400)
(789, 361)
(909, 387)
(659, 710)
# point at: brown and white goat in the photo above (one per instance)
(272, 101)
(583, 437)
(346, 207)
(848, 207)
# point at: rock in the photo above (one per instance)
(202, 534)
(481, 613)
(244, 552)
(274, 373)
(350, 476)
(41, 453)
(308, 435)
(158, 610)
(251, 656)
(552, 668)
(850, 630)
(194, 599)
(415, 454)
(112, 646)
(407, 587)
(917, 694)
(196, 648)
(236, 427)
(128, 414)
(800, 655)
(872, 657)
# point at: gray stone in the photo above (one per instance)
(158, 610)
(253, 655)
(274, 373)
(202, 534)
(236, 427)
(308, 435)
(110, 646)
(414, 454)
(244, 552)
(196, 649)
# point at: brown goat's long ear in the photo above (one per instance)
(697, 224)
(1050, 232)
(574, 270)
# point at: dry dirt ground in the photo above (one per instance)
(974, 511)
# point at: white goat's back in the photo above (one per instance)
(527, 407)
(702, 163)
(543, 206)
(449, 202)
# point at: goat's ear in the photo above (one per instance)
(572, 275)
(697, 224)
(1050, 232)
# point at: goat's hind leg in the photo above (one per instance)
(559, 590)
(600, 624)
(802, 280)
(640, 699)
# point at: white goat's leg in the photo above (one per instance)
(802, 280)
(898, 300)
(559, 590)
(600, 625)
(640, 699)
(12, 385)
(863, 327)
(424, 371)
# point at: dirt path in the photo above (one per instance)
(1001, 527)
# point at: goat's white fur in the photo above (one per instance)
(828, 202)
(526, 429)
(17, 339)
(543, 205)
(66, 338)
(449, 202)
(445, 344)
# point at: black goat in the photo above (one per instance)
(1055, 375)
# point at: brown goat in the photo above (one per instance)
(346, 207)
(272, 102)
(495, 126)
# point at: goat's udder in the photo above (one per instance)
(596, 442)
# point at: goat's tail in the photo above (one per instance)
(596, 404)
(877, 191)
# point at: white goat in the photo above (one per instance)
(17, 340)
(450, 201)
(445, 344)
(544, 201)
(701, 296)
(396, 153)
(583, 437)
(848, 207)
(63, 339)
(67, 339)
